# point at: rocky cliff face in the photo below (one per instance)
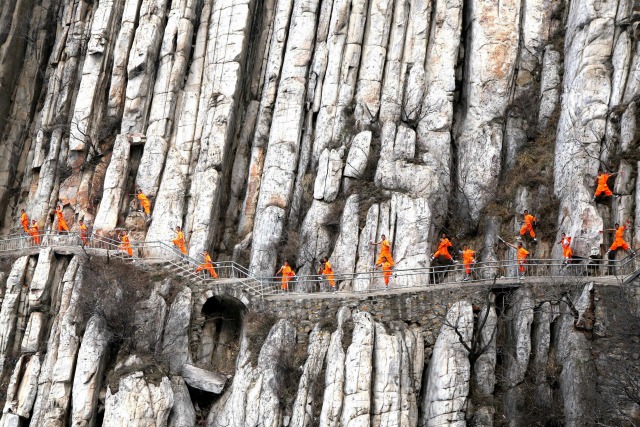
(282, 128)
(273, 129)
(88, 344)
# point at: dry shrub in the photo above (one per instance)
(289, 247)
(257, 326)
(288, 373)
(113, 290)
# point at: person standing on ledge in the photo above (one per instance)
(34, 232)
(179, 241)
(24, 221)
(468, 258)
(385, 251)
(567, 252)
(287, 274)
(62, 224)
(603, 186)
(207, 265)
(386, 272)
(327, 273)
(144, 203)
(443, 249)
(126, 244)
(84, 233)
(527, 225)
(521, 254)
(618, 241)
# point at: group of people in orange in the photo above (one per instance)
(32, 229)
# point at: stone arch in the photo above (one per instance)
(218, 332)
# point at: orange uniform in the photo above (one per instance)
(126, 245)
(467, 259)
(145, 203)
(287, 274)
(522, 257)
(84, 234)
(385, 252)
(180, 243)
(208, 266)
(327, 272)
(386, 272)
(443, 249)
(618, 241)
(603, 188)
(528, 226)
(34, 232)
(24, 220)
(62, 224)
(567, 252)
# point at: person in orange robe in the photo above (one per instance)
(567, 252)
(385, 250)
(603, 187)
(179, 241)
(207, 265)
(24, 221)
(618, 241)
(144, 202)
(468, 258)
(443, 248)
(126, 244)
(34, 232)
(327, 272)
(62, 224)
(287, 273)
(527, 225)
(521, 254)
(84, 233)
(386, 272)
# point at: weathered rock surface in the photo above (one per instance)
(204, 380)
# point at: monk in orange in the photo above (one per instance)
(62, 224)
(126, 244)
(144, 202)
(443, 248)
(521, 254)
(24, 221)
(567, 252)
(386, 272)
(385, 250)
(179, 241)
(287, 273)
(84, 233)
(618, 241)
(468, 258)
(34, 232)
(603, 187)
(527, 225)
(207, 265)
(327, 272)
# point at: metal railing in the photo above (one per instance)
(232, 274)
(502, 272)
(229, 273)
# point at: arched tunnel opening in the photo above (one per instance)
(219, 342)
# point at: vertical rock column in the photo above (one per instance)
(284, 141)
(356, 410)
(444, 400)
(260, 138)
(582, 123)
(224, 64)
(175, 52)
(170, 203)
(491, 51)
(9, 310)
